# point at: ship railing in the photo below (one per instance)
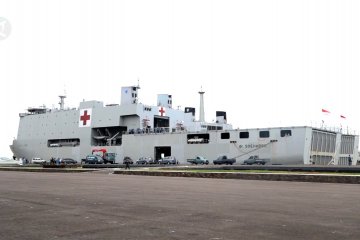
(334, 128)
(158, 130)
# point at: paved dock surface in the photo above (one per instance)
(99, 205)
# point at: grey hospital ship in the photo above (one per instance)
(136, 130)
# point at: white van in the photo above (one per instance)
(37, 160)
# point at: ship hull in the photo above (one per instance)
(135, 130)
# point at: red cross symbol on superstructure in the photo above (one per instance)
(161, 111)
(85, 117)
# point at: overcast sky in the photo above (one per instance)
(266, 63)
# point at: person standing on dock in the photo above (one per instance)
(127, 165)
(350, 161)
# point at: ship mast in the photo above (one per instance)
(202, 112)
(62, 102)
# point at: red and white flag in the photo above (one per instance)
(325, 111)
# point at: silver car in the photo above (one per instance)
(168, 160)
(144, 160)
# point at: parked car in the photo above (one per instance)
(128, 160)
(67, 161)
(224, 160)
(37, 160)
(255, 160)
(198, 160)
(93, 159)
(168, 160)
(144, 160)
(153, 161)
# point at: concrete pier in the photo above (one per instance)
(99, 205)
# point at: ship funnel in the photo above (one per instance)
(192, 111)
(221, 117)
(202, 112)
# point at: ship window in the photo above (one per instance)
(285, 133)
(70, 142)
(225, 135)
(244, 134)
(209, 127)
(264, 134)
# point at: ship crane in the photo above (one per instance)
(110, 139)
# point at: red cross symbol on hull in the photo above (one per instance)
(162, 111)
(85, 118)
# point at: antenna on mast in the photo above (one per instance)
(138, 86)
